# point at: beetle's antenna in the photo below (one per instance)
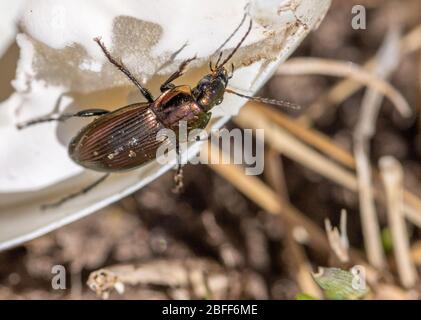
(279, 103)
(76, 194)
(238, 45)
(232, 34)
(219, 60)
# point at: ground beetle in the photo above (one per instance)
(125, 139)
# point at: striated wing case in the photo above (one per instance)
(120, 140)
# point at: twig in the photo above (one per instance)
(392, 174)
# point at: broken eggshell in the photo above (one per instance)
(58, 58)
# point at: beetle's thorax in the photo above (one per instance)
(178, 104)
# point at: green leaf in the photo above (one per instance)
(387, 240)
(304, 296)
(339, 284)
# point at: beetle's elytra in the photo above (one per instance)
(126, 138)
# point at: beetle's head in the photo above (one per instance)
(210, 90)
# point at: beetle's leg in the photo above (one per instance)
(178, 179)
(120, 66)
(178, 176)
(76, 194)
(63, 117)
(50, 114)
(181, 70)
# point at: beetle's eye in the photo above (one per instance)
(202, 84)
(205, 80)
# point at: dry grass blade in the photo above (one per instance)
(312, 137)
(419, 90)
(264, 196)
(257, 191)
(392, 174)
(200, 278)
(369, 221)
(286, 144)
(302, 268)
(275, 174)
(338, 239)
(411, 214)
(300, 66)
(412, 205)
(298, 260)
(410, 43)
(388, 58)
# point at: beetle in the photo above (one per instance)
(125, 139)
